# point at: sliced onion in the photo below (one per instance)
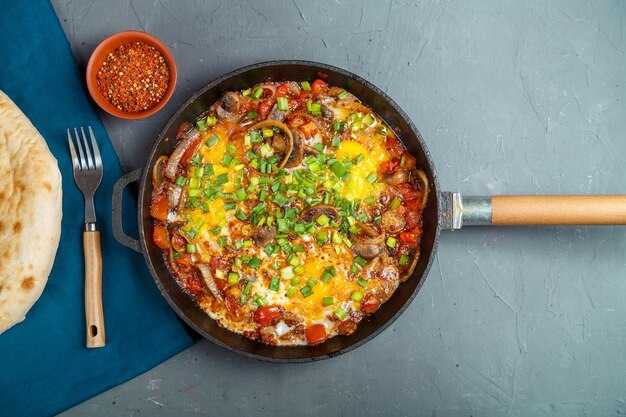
(173, 196)
(172, 164)
(210, 282)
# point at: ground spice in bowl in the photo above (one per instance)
(134, 77)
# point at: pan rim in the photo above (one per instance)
(145, 174)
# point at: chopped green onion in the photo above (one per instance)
(241, 194)
(282, 104)
(222, 179)
(231, 205)
(312, 282)
(335, 142)
(223, 241)
(291, 292)
(275, 284)
(244, 293)
(340, 313)
(201, 125)
(362, 283)
(357, 296)
(306, 291)
(295, 281)
(327, 301)
(269, 249)
(191, 248)
(339, 125)
(403, 260)
(231, 148)
(367, 120)
(211, 120)
(211, 141)
(395, 203)
(371, 178)
(328, 274)
(246, 92)
(240, 215)
(233, 278)
(360, 261)
(226, 160)
(204, 208)
(342, 95)
(369, 200)
(322, 220)
(338, 168)
(194, 193)
(255, 262)
(257, 93)
(239, 244)
(305, 86)
(252, 115)
(180, 180)
(391, 242)
(268, 133)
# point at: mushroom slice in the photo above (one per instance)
(312, 213)
(174, 161)
(264, 235)
(367, 243)
(289, 145)
(399, 177)
(228, 107)
(207, 276)
(297, 150)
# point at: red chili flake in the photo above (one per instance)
(134, 77)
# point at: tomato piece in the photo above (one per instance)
(282, 90)
(193, 283)
(394, 148)
(232, 305)
(184, 259)
(268, 315)
(412, 219)
(264, 108)
(319, 87)
(370, 303)
(160, 237)
(315, 334)
(190, 151)
(158, 208)
(308, 129)
(388, 167)
(305, 96)
(411, 236)
(414, 204)
(407, 192)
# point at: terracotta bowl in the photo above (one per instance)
(110, 44)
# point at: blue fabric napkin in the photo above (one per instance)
(45, 367)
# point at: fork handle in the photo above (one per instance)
(93, 287)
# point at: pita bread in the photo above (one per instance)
(30, 213)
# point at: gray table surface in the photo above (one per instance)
(511, 98)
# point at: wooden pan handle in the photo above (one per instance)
(93, 289)
(525, 210)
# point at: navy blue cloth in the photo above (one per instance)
(45, 367)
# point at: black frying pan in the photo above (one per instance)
(443, 210)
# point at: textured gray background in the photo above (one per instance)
(511, 97)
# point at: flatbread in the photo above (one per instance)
(30, 213)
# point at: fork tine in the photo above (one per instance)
(96, 150)
(87, 151)
(83, 163)
(72, 151)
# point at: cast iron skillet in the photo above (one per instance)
(183, 304)
(444, 210)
